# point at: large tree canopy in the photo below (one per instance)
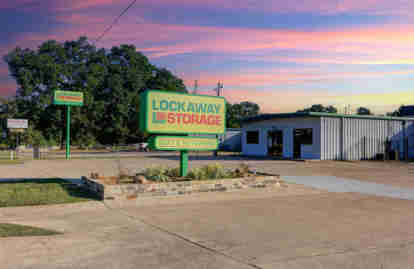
(110, 80)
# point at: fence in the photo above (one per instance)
(99, 151)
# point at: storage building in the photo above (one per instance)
(328, 136)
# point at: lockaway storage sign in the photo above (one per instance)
(176, 113)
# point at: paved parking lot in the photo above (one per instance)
(390, 173)
(294, 227)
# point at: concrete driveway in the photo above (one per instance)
(283, 228)
(336, 184)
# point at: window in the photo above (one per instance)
(304, 136)
(252, 137)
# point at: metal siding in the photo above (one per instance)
(330, 138)
(355, 140)
(362, 138)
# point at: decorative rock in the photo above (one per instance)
(105, 188)
(140, 179)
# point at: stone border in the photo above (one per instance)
(133, 191)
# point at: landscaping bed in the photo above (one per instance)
(42, 192)
(160, 181)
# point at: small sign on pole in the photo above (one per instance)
(17, 123)
(68, 98)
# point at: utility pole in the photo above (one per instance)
(219, 88)
(195, 87)
(219, 91)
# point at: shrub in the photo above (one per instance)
(158, 173)
(197, 174)
(211, 171)
(173, 172)
(214, 171)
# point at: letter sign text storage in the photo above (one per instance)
(183, 143)
(169, 113)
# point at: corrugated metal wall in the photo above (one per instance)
(357, 139)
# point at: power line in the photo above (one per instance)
(115, 21)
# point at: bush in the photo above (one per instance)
(215, 171)
(211, 171)
(197, 174)
(158, 174)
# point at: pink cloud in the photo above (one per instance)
(279, 77)
(389, 43)
(271, 101)
(299, 6)
(396, 7)
(385, 44)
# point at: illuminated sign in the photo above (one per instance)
(183, 143)
(68, 98)
(166, 112)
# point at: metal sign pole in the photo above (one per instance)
(68, 133)
(183, 163)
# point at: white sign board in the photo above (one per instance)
(17, 124)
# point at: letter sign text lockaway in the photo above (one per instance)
(165, 112)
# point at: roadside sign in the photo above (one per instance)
(17, 123)
(69, 98)
(17, 130)
(183, 143)
(165, 112)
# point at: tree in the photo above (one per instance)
(320, 108)
(165, 80)
(236, 112)
(395, 113)
(111, 81)
(363, 111)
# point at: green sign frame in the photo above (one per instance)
(163, 112)
(68, 98)
(178, 143)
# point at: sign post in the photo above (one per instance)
(68, 98)
(182, 114)
(67, 132)
(17, 126)
(183, 163)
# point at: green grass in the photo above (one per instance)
(8, 162)
(8, 230)
(41, 192)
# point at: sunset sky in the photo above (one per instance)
(283, 55)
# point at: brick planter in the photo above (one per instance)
(133, 191)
